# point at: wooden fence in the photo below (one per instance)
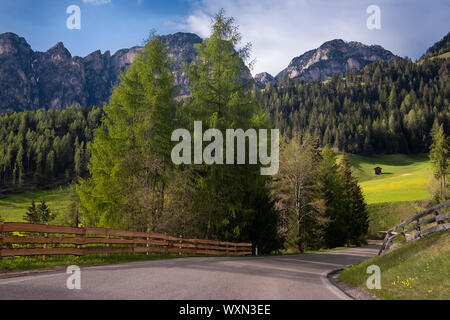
(418, 226)
(23, 239)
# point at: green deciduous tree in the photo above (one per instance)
(297, 191)
(130, 155)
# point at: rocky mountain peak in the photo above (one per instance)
(12, 44)
(59, 52)
(262, 79)
(335, 56)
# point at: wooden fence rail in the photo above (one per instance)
(416, 225)
(23, 239)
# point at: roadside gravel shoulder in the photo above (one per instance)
(354, 293)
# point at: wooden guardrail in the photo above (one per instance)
(24, 239)
(418, 226)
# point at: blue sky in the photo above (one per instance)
(279, 30)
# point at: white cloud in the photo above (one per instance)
(281, 30)
(97, 2)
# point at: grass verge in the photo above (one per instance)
(418, 270)
(34, 262)
(383, 216)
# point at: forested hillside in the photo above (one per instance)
(44, 148)
(388, 107)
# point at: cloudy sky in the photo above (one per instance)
(278, 29)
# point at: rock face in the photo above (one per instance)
(54, 79)
(262, 79)
(336, 56)
(18, 84)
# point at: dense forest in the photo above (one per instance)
(388, 107)
(42, 148)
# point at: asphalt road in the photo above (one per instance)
(246, 278)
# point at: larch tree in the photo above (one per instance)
(130, 155)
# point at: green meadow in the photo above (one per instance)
(13, 207)
(403, 178)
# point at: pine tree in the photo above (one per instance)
(355, 212)
(44, 212)
(32, 215)
(332, 194)
(440, 157)
(222, 98)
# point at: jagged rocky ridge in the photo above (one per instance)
(335, 56)
(54, 79)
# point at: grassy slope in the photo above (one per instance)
(416, 270)
(396, 194)
(404, 178)
(13, 207)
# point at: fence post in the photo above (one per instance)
(83, 236)
(1, 239)
(180, 244)
(165, 248)
(148, 245)
(108, 245)
(226, 250)
(436, 214)
(45, 246)
(195, 246)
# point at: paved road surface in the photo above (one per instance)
(287, 277)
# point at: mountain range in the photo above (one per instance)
(30, 80)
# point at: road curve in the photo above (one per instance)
(294, 277)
